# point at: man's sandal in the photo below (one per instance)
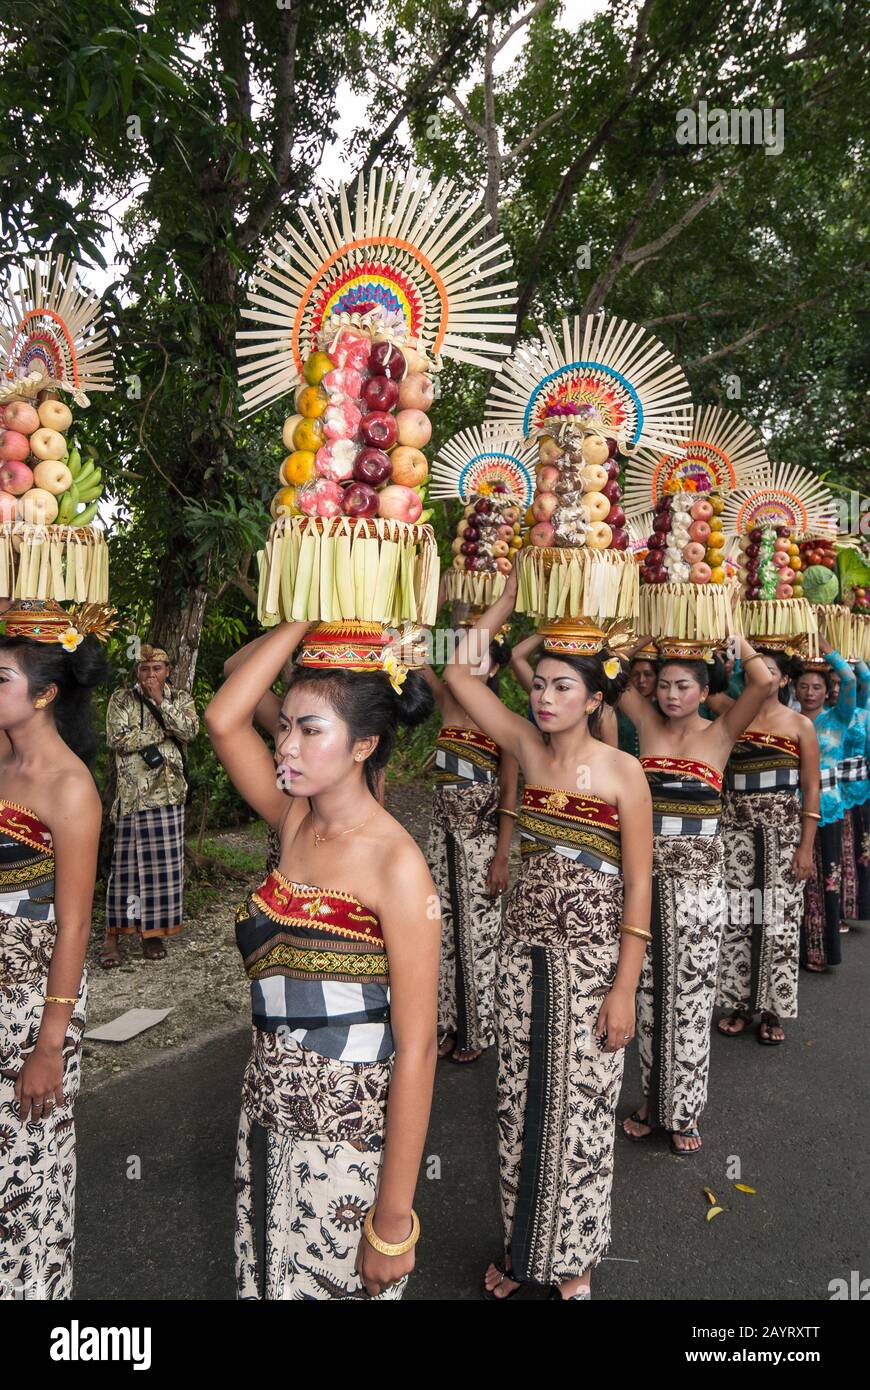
(768, 1021)
(685, 1134)
(738, 1016)
(109, 960)
(148, 951)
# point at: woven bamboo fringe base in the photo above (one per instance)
(477, 590)
(65, 563)
(790, 617)
(568, 583)
(346, 567)
(689, 612)
(861, 637)
(835, 624)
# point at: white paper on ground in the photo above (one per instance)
(128, 1025)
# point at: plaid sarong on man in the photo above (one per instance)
(145, 892)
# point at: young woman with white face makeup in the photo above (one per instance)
(341, 947)
(684, 757)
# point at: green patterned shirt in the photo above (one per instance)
(130, 727)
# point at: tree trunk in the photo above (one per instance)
(177, 625)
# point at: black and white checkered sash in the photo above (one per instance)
(465, 755)
(686, 796)
(318, 968)
(582, 828)
(853, 770)
(829, 778)
(762, 762)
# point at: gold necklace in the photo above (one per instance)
(325, 839)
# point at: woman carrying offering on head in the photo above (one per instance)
(569, 958)
(854, 778)
(820, 929)
(683, 756)
(340, 943)
(769, 824)
(50, 816)
(473, 811)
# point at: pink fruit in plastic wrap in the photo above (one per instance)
(352, 350)
(360, 500)
(329, 497)
(306, 499)
(343, 383)
(336, 460)
(340, 420)
(14, 445)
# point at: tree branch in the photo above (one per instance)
(285, 128)
(774, 322)
(518, 24)
(605, 280)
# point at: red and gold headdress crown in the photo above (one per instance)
(580, 637)
(43, 620)
(360, 646)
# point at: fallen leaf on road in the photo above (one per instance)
(741, 1187)
(710, 1197)
(714, 1211)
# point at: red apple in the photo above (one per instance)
(503, 565)
(19, 416)
(615, 517)
(409, 466)
(378, 429)
(416, 392)
(15, 477)
(8, 507)
(542, 534)
(380, 393)
(548, 477)
(544, 505)
(359, 498)
(620, 537)
(13, 446)
(387, 360)
(373, 466)
(397, 502)
(415, 428)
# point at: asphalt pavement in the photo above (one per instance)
(156, 1145)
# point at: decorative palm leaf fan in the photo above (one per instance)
(719, 450)
(412, 249)
(606, 370)
(51, 335)
(495, 477)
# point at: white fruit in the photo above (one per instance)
(37, 507)
(48, 444)
(53, 476)
(289, 426)
(54, 415)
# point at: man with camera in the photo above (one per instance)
(148, 727)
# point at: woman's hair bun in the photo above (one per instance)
(613, 686)
(414, 703)
(88, 663)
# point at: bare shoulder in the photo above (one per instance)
(400, 865)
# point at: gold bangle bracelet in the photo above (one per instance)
(813, 815)
(636, 931)
(503, 811)
(59, 999)
(383, 1247)
(756, 656)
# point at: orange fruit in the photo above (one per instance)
(317, 364)
(717, 503)
(715, 557)
(717, 575)
(311, 402)
(308, 435)
(284, 503)
(298, 467)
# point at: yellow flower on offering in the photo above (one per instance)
(71, 639)
(397, 673)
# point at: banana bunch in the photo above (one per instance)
(87, 488)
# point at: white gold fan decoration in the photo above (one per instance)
(51, 334)
(610, 374)
(412, 253)
(718, 453)
(788, 496)
(478, 459)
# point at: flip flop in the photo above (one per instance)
(732, 1018)
(685, 1134)
(769, 1021)
(636, 1119)
(154, 955)
(464, 1061)
(442, 1039)
(109, 961)
(492, 1295)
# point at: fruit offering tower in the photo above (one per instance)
(785, 524)
(495, 478)
(685, 590)
(586, 402)
(355, 310)
(52, 345)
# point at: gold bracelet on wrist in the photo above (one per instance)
(384, 1247)
(59, 999)
(813, 815)
(503, 811)
(636, 931)
(756, 656)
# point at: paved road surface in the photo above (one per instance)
(797, 1117)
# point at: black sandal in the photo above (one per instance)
(768, 1021)
(636, 1119)
(685, 1134)
(505, 1274)
(732, 1018)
